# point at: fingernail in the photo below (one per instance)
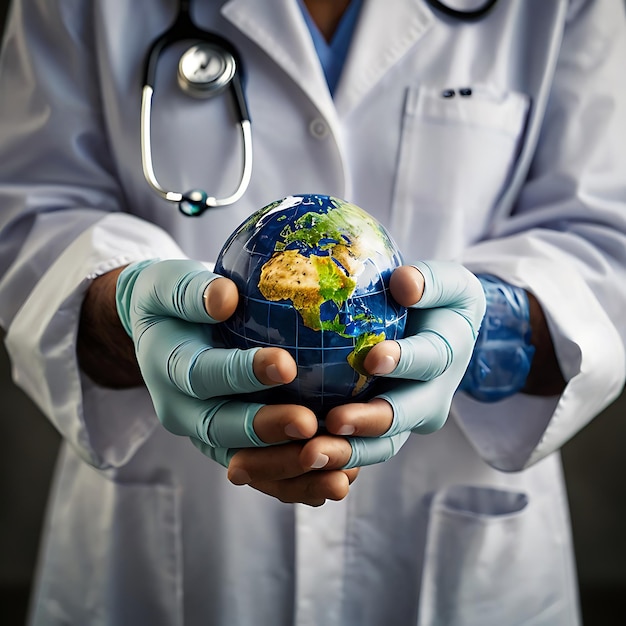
(386, 366)
(272, 373)
(320, 461)
(346, 430)
(291, 430)
(239, 477)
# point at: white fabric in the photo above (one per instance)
(524, 179)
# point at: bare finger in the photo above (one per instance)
(274, 423)
(221, 298)
(288, 460)
(274, 366)
(312, 489)
(361, 419)
(407, 285)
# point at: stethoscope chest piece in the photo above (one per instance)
(205, 70)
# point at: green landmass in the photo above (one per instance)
(364, 344)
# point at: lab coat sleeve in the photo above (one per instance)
(565, 242)
(61, 225)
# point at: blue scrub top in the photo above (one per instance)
(333, 54)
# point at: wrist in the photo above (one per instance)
(104, 350)
(545, 377)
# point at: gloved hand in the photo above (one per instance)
(426, 368)
(161, 306)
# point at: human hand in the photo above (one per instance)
(169, 308)
(308, 472)
(446, 305)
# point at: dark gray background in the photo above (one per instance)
(595, 467)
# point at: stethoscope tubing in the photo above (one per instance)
(463, 16)
(176, 196)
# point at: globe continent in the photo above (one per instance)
(313, 277)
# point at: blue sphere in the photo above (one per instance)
(313, 278)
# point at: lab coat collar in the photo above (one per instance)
(384, 33)
(279, 29)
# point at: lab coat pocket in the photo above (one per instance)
(485, 561)
(455, 158)
(117, 559)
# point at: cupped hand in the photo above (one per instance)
(170, 309)
(308, 472)
(446, 305)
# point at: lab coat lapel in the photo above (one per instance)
(384, 33)
(278, 28)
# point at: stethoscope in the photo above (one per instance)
(211, 66)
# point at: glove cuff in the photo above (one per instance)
(503, 352)
(124, 289)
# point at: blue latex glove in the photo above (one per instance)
(160, 304)
(503, 353)
(439, 340)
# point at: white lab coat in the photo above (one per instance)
(525, 178)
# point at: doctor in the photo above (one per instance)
(493, 143)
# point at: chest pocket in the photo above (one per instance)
(457, 151)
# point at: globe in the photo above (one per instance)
(313, 277)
